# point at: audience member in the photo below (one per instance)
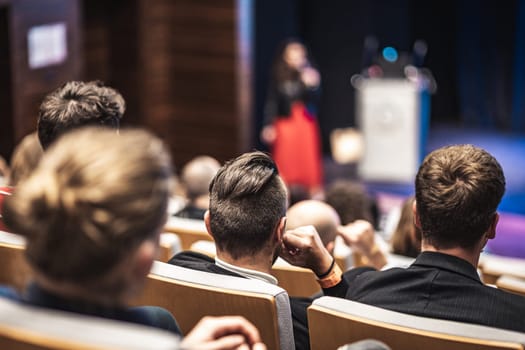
(25, 158)
(318, 214)
(92, 213)
(4, 171)
(352, 202)
(76, 104)
(458, 189)
(247, 220)
(406, 239)
(195, 178)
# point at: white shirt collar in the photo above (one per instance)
(248, 273)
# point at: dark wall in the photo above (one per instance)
(471, 53)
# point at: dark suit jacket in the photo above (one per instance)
(437, 285)
(298, 306)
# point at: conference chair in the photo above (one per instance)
(334, 322)
(169, 245)
(24, 327)
(494, 266)
(511, 284)
(14, 269)
(189, 295)
(188, 230)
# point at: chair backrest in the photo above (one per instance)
(297, 282)
(334, 322)
(188, 230)
(511, 284)
(169, 245)
(15, 270)
(189, 295)
(24, 327)
(494, 266)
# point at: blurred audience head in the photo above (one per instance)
(318, 214)
(76, 104)
(197, 175)
(406, 239)
(4, 171)
(25, 158)
(351, 201)
(247, 206)
(92, 212)
(458, 190)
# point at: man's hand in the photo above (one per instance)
(223, 333)
(303, 247)
(360, 236)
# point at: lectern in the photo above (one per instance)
(393, 117)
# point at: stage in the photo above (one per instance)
(508, 148)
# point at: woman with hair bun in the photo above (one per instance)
(92, 213)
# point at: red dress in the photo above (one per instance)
(297, 148)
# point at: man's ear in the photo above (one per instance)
(207, 222)
(417, 222)
(491, 232)
(280, 229)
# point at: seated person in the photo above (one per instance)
(352, 202)
(247, 218)
(326, 222)
(318, 214)
(92, 213)
(406, 239)
(73, 105)
(458, 190)
(195, 179)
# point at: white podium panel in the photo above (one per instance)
(388, 114)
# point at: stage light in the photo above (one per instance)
(390, 54)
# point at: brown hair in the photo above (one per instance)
(458, 190)
(77, 104)
(25, 158)
(247, 201)
(406, 239)
(92, 200)
(350, 200)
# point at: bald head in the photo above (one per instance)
(316, 213)
(197, 175)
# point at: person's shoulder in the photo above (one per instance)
(189, 259)
(154, 316)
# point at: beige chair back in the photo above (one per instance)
(15, 270)
(188, 230)
(24, 327)
(511, 284)
(189, 295)
(334, 322)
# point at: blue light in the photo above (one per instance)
(390, 54)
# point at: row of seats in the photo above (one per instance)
(332, 321)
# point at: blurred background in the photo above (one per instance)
(196, 71)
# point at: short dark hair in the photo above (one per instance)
(77, 104)
(247, 201)
(458, 190)
(350, 200)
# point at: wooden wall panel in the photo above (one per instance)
(29, 86)
(111, 49)
(190, 54)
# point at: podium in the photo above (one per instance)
(393, 116)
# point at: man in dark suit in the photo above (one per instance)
(247, 219)
(458, 190)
